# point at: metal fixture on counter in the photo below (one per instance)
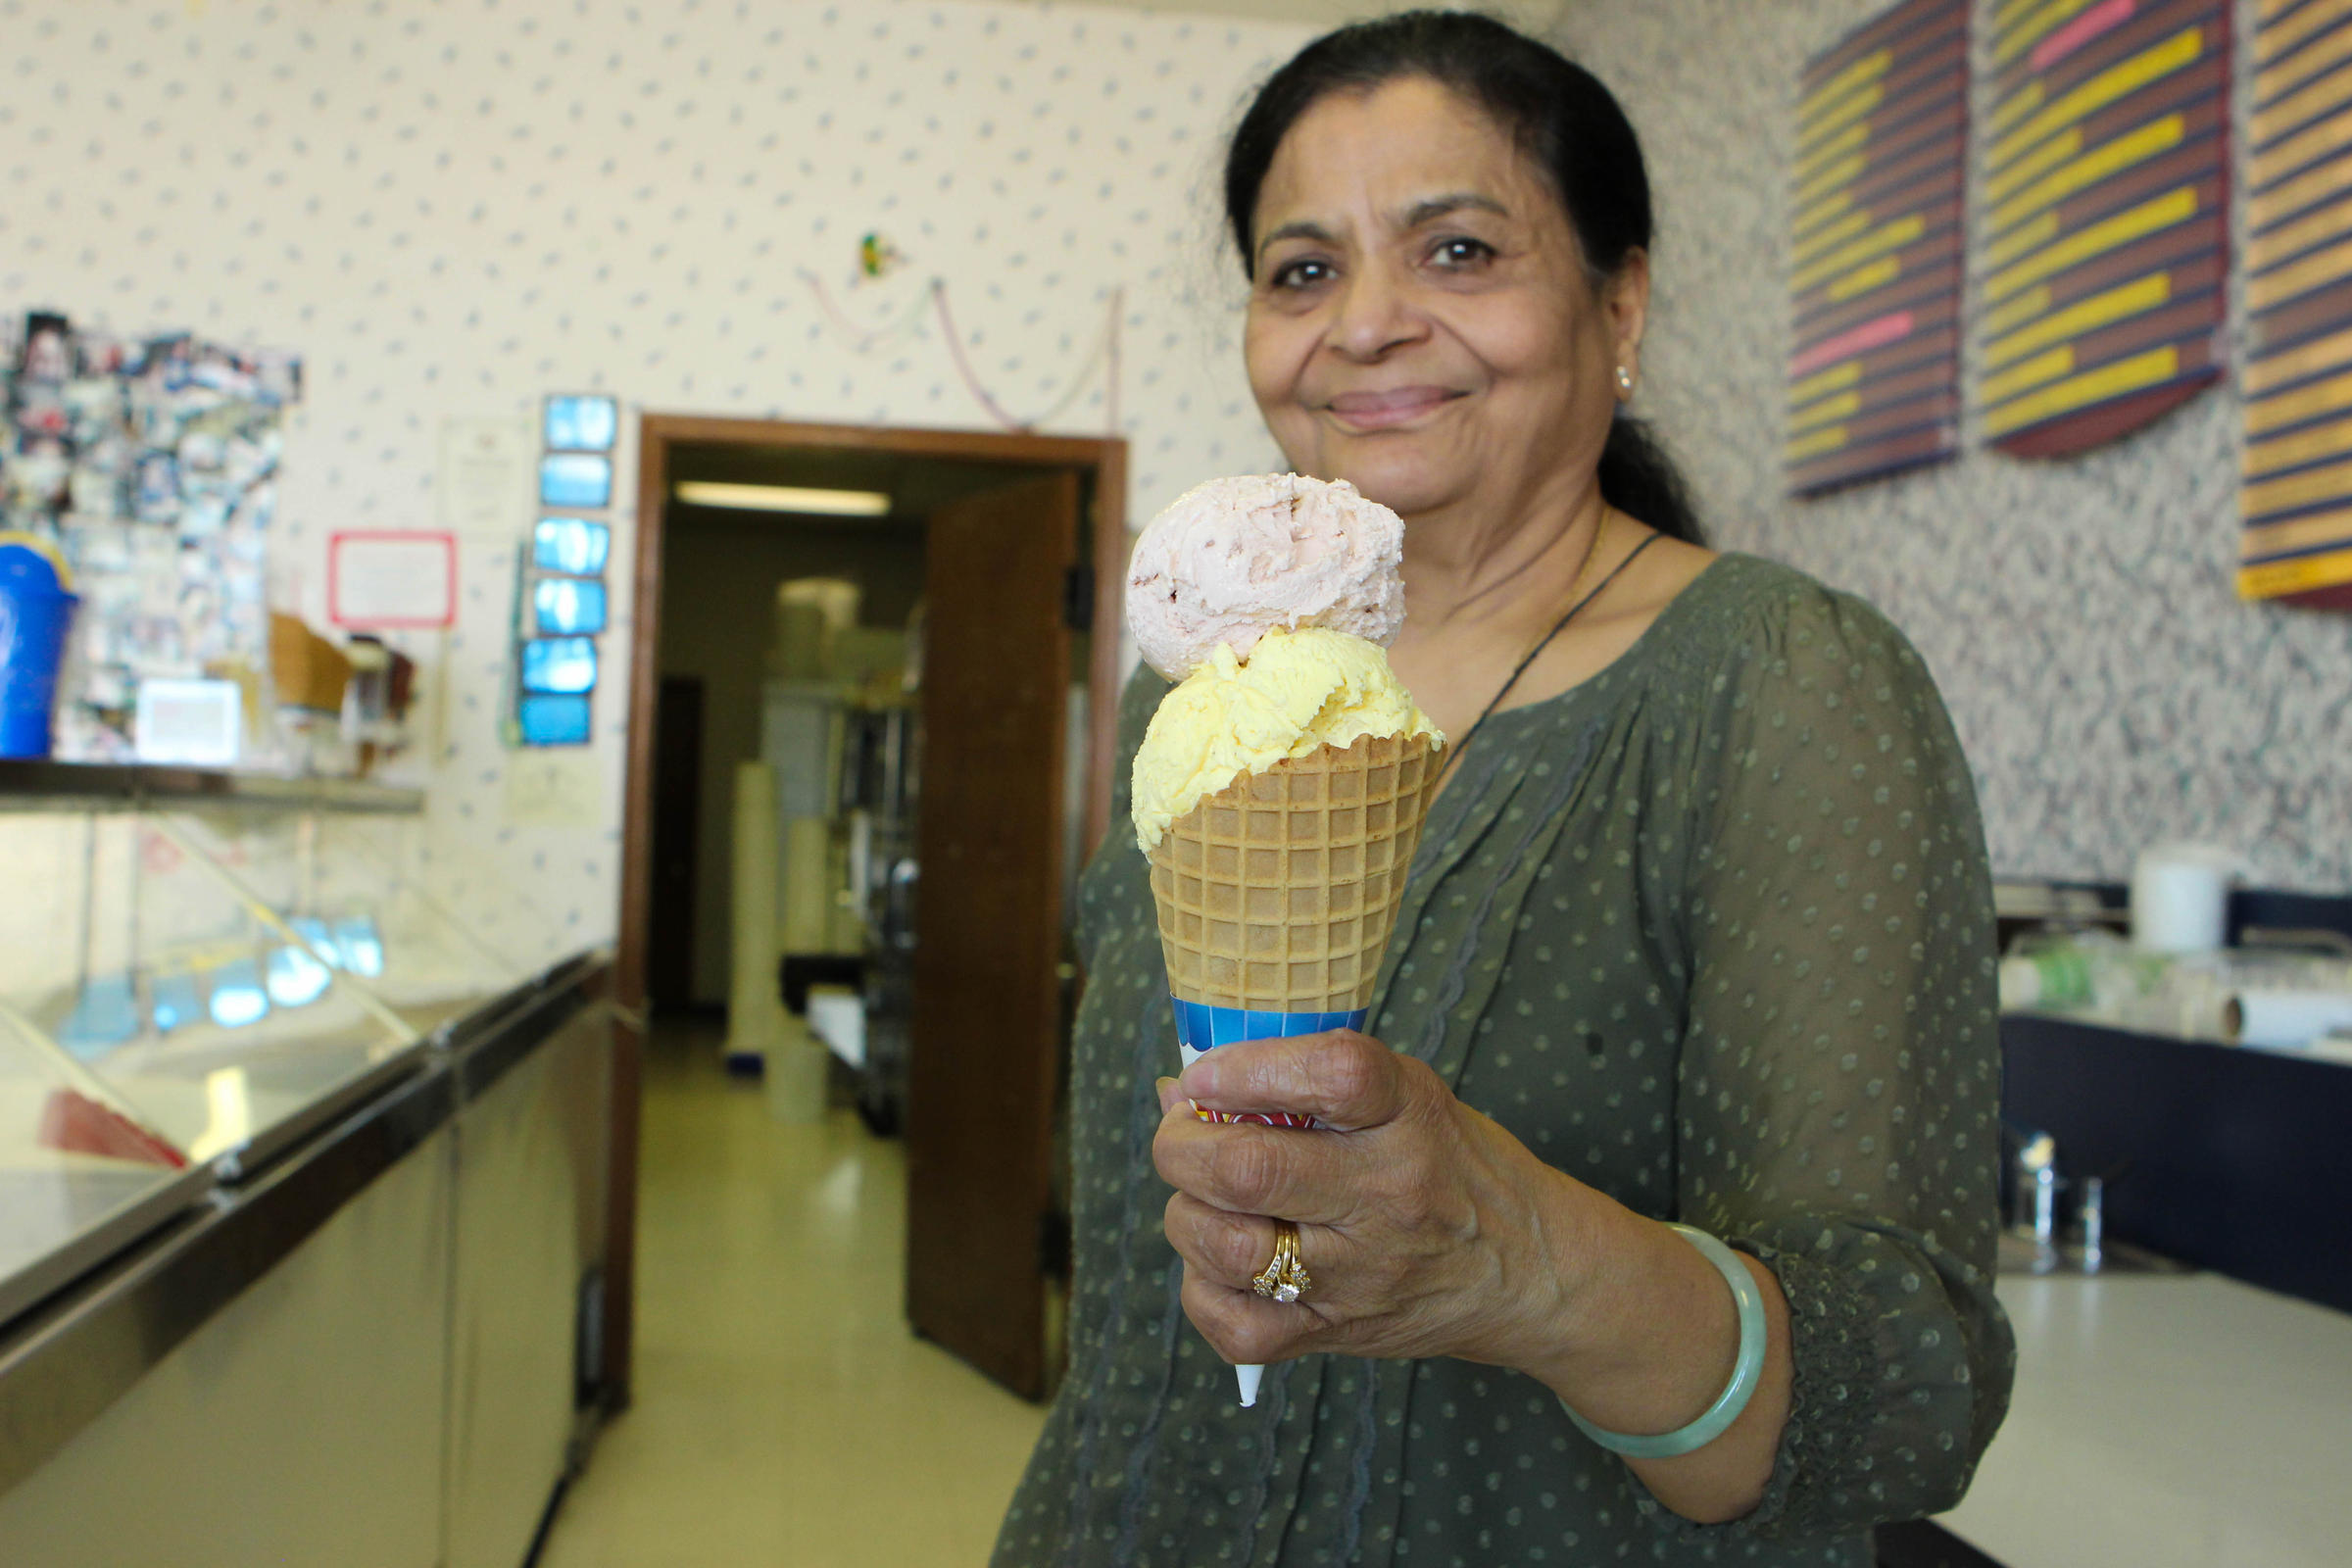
(2035, 1194)
(2035, 1243)
(2094, 1223)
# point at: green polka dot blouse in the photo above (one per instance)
(1713, 934)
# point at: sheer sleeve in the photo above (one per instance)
(1839, 1084)
(1138, 700)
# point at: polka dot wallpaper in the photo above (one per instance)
(2081, 616)
(450, 210)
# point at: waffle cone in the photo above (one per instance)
(1279, 892)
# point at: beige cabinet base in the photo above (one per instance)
(302, 1424)
(531, 1221)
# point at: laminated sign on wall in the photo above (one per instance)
(2297, 495)
(2104, 240)
(1874, 380)
(379, 579)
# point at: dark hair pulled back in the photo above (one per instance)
(1561, 117)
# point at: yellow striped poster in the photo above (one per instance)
(2102, 246)
(2295, 493)
(1875, 248)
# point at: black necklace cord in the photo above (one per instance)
(1557, 627)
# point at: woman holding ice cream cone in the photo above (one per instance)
(1650, 1211)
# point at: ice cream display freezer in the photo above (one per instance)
(301, 1186)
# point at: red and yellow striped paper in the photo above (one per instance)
(1882, 122)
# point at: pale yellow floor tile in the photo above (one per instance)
(784, 1413)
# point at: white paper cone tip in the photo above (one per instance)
(1247, 1377)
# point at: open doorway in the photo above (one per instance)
(960, 570)
(725, 641)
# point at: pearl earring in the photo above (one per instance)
(1625, 382)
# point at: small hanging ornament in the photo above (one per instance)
(877, 258)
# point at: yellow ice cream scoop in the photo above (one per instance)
(1299, 691)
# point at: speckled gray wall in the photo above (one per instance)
(2080, 615)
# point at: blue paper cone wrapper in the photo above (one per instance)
(1200, 1027)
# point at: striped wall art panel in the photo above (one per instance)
(2103, 243)
(2297, 492)
(1882, 126)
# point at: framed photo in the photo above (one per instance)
(581, 423)
(560, 667)
(580, 479)
(47, 351)
(565, 607)
(577, 546)
(554, 720)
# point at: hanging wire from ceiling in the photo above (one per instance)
(1102, 355)
(867, 340)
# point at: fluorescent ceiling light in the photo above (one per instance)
(784, 498)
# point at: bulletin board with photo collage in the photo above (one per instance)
(563, 603)
(1873, 378)
(150, 465)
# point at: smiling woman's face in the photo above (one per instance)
(1421, 320)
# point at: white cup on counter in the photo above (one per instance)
(2180, 897)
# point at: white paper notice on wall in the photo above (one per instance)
(554, 788)
(385, 580)
(487, 472)
(190, 724)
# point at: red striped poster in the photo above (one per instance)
(2102, 246)
(2296, 495)
(1882, 126)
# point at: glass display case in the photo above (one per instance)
(196, 971)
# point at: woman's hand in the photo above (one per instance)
(1428, 1229)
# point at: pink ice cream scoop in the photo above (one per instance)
(1233, 558)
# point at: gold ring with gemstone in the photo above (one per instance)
(1284, 1279)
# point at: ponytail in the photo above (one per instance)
(1641, 480)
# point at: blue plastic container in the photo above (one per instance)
(35, 613)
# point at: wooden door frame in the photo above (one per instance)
(1104, 458)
